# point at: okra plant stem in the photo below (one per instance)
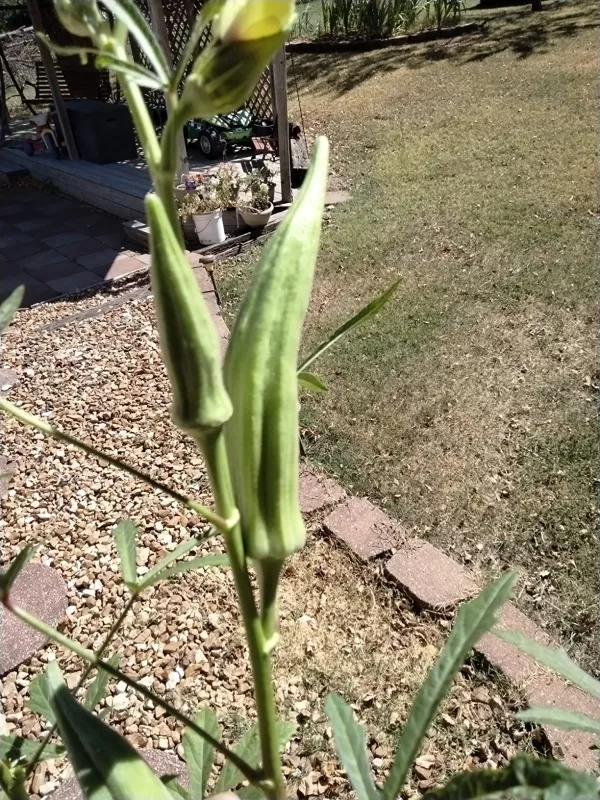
(268, 581)
(259, 646)
(99, 654)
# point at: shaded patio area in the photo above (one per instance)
(55, 246)
(118, 188)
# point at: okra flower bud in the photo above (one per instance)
(188, 339)
(79, 17)
(260, 375)
(246, 34)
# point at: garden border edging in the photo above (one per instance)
(436, 582)
(365, 45)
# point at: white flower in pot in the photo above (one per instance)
(205, 209)
(257, 209)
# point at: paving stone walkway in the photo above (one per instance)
(56, 246)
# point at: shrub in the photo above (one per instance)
(383, 18)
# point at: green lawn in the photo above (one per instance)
(467, 408)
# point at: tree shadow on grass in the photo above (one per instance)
(516, 30)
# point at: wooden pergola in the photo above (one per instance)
(171, 21)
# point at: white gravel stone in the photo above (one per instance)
(120, 701)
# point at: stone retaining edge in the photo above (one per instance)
(364, 45)
(436, 582)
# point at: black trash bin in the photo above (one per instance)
(103, 131)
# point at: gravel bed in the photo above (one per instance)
(342, 628)
(30, 319)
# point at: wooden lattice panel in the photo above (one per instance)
(261, 102)
(180, 16)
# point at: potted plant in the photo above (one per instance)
(204, 207)
(186, 206)
(189, 182)
(227, 182)
(257, 209)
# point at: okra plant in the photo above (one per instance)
(243, 416)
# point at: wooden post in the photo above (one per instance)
(159, 26)
(48, 62)
(279, 73)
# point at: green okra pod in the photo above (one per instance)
(188, 338)
(260, 375)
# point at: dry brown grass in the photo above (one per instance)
(344, 629)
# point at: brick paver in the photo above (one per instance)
(365, 528)
(56, 246)
(429, 576)
(41, 591)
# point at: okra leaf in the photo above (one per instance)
(97, 688)
(153, 574)
(9, 576)
(199, 754)
(135, 72)
(68, 49)
(560, 718)
(350, 744)
(472, 621)
(176, 789)
(248, 748)
(125, 534)
(368, 311)
(553, 658)
(39, 698)
(105, 764)
(217, 560)
(309, 381)
(104, 60)
(137, 25)
(10, 307)
(522, 777)
(14, 748)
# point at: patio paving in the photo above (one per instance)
(55, 246)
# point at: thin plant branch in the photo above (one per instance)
(213, 449)
(223, 525)
(99, 653)
(250, 773)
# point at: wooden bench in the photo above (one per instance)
(75, 81)
(263, 145)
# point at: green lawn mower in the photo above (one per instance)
(213, 136)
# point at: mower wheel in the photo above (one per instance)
(211, 144)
